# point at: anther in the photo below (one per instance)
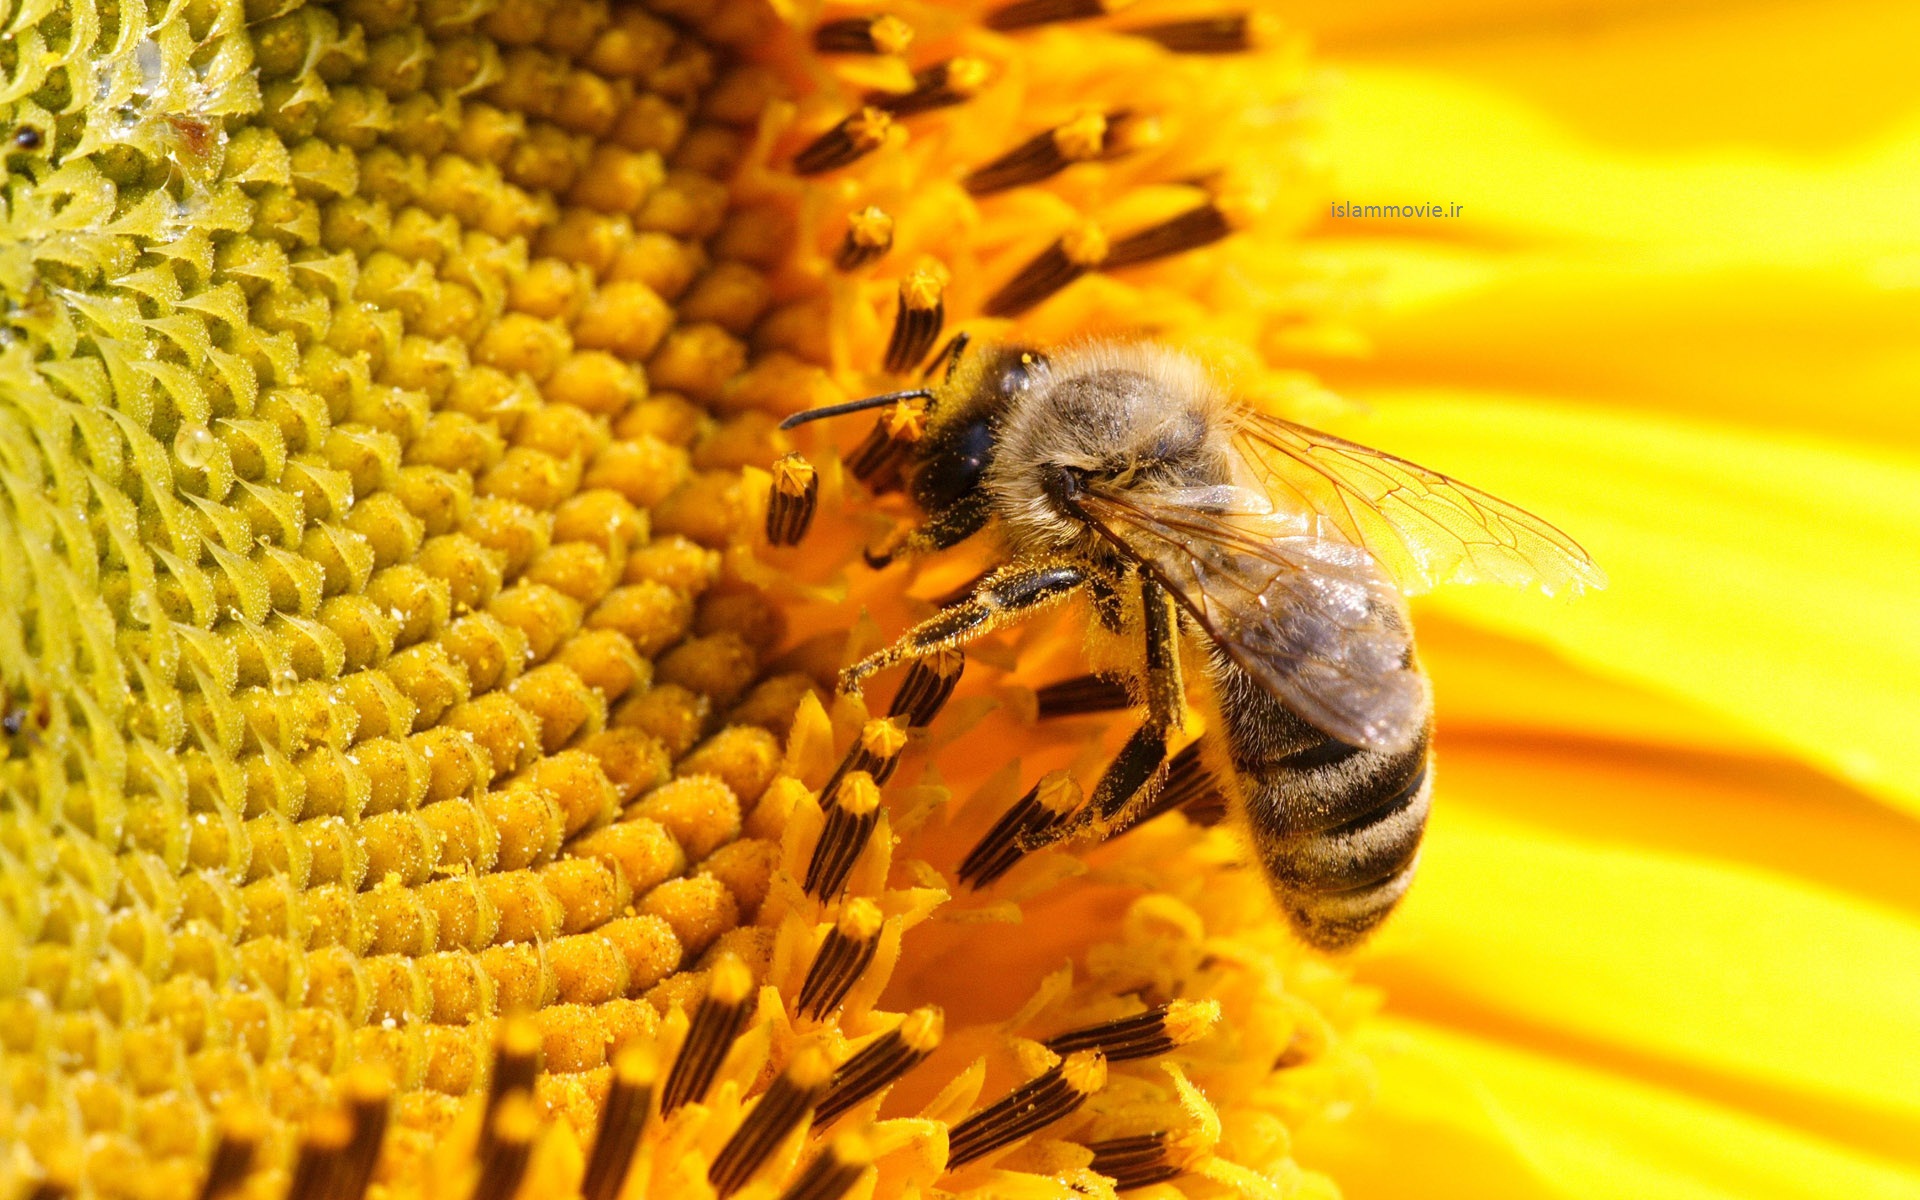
(917, 322)
(1033, 1105)
(876, 462)
(881, 1062)
(791, 503)
(939, 86)
(1024, 14)
(1189, 787)
(1134, 1162)
(1190, 230)
(927, 687)
(851, 816)
(856, 136)
(512, 1130)
(1232, 33)
(786, 1105)
(1041, 811)
(876, 751)
(1087, 137)
(516, 1058)
(1082, 694)
(368, 1093)
(834, 1173)
(844, 955)
(863, 35)
(1143, 1035)
(241, 1132)
(322, 1150)
(869, 237)
(621, 1123)
(1084, 249)
(716, 1023)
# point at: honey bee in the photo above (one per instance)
(1279, 557)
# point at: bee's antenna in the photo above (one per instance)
(854, 406)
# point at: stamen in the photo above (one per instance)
(621, 1124)
(368, 1095)
(1189, 231)
(927, 687)
(1232, 33)
(834, 1173)
(516, 1058)
(1025, 14)
(785, 1106)
(854, 812)
(318, 1165)
(1189, 787)
(1057, 266)
(1037, 813)
(863, 35)
(1134, 1162)
(1085, 138)
(50, 1189)
(869, 237)
(916, 325)
(856, 136)
(791, 503)
(881, 1062)
(241, 1132)
(1144, 1035)
(878, 460)
(939, 86)
(844, 954)
(512, 1130)
(710, 1035)
(1082, 694)
(1033, 1105)
(876, 751)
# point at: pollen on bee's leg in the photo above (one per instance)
(1044, 808)
(1229, 33)
(1143, 1035)
(1197, 227)
(1032, 1106)
(1189, 787)
(369, 1096)
(322, 1151)
(786, 1105)
(927, 687)
(845, 953)
(917, 323)
(1024, 14)
(863, 35)
(515, 1125)
(241, 1132)
(516, 1059)
(1082, 694)
(621, 1122)
(1134, 1162)
(716, 1023)
(876, 462)
(881, 1062)
(833, 1174)
(857, 135)
(869, 237)
(854, 811)
(1086, 138)
(1082, 250)
(941, 85)
(791, 503)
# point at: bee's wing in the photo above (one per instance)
(1425, 528)
(1314, 621)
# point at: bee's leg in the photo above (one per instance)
(1009, 594)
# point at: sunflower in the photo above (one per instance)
(424, 770)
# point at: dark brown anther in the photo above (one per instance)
(323, 1147)
(1043, 810)
(716, 1023)
(368, 1094)
(786, 1105)
(241, 1131)
(941, 85)
(876, 751)
(1190, 230)
(792, 500)
(1086, 138)
(1025, 14)
(1134, 1162)
(50, 1189)
(1082, 694)
(856, 136)
(515, 1125)
(621, 1123)
(516, 1058)
(852, 813)
(877, 461)
(880, 1062)
(1032, 1106)
(917, 322)
(927, 687)
(844, 955)
(1083, 250)
(869, 237)
(1189, 787)
(863, 35)
(1232, 33)
(834, 1173)
(1143, 1035)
